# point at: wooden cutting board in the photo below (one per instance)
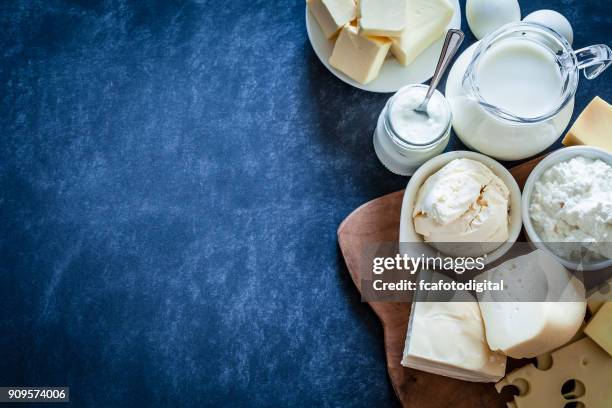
(378, 221)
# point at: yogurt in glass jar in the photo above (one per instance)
(404, 139)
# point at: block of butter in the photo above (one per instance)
(426, 22)
(593, 127)
(332, 15)
(541, 308)
(382, 17)
(359, 56)
(600, 328)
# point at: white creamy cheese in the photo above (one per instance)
(448, 338)
(464, 201)
(572, 202)
(525, 329)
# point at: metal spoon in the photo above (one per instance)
(453, 40)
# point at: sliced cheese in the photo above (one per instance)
(601, 296)
(552, 316)
(593, 127)
(426, 22)
(600, 328)
(583, 361)
(359, 56)
(382, 17)
(332, 15)
(448, 338)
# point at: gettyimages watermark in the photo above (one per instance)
(519, 272)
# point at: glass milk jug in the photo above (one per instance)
(512, 94)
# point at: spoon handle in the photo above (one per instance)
(453, 40)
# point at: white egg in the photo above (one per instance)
(486, 16)
(553, 20)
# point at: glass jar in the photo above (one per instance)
(403, 141)
(512, 94)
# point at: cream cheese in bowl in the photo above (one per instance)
(567, 205)
(459, 198)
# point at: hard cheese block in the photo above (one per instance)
(600, 328)
(426, 22)
(541, 308)
(359, 56)
(593, 127)
(448, 339)
(382, 17)
(601, 296)
(584, 362)
(332, 15)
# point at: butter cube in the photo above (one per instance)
(427, 22)
(593, 127)
(382, 17)
(359, 56)
(599, 328)
(332, 15)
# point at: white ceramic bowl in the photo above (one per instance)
(552, 159)
(407, 231)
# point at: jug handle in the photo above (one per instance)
(594, 59)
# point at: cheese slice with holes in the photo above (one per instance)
(332, 15)
(426, 22)
(582, 363)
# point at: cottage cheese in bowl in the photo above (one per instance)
(570, 207)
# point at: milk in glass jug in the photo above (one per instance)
(512, 93)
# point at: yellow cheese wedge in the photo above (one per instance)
(332, 15)
(382, 17)
(426, 23)
(601, 296)
(582, 364)
(593, 127)
(359, 56)
(600, 328)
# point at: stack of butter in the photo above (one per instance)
(365, 31)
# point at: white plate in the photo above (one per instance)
(392, 75)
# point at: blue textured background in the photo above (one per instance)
(172, 175)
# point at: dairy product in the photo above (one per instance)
(332, 15)
(599, 297)
(448, 339)
(572, 202)
(600, 328)
(592, 128)
(415, 127)
(462, 202)
(553, 20)
(359, 56)
(487, 131)
(426, 22)
(382, 17)
(486, 16)
(526, 329)
(582, 361)
(521, 77)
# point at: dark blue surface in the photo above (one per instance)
(172, 175)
